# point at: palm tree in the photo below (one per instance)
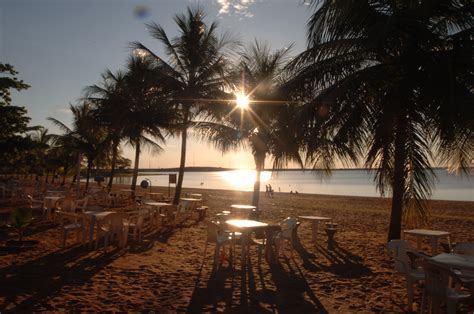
(147, 114)
(393, 79)
(85, 136)
(267, 126)
(110, 110)
(194, 72)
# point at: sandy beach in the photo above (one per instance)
(169, 272)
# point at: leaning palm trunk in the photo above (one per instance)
(184, 136)
(66, 168)
(399, 174)
(135, 168)
(114, 161)
(78, 173)
(259, 163)
(88, 174)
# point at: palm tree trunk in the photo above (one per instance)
(135, 168)
(259, 158)
(47, 177)
(78, 173)
(114, 161)
(88, 174)
(399, 176)
(66, 168)
(182, 163)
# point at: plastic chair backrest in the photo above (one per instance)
(287, 226)
(398, 249)
(82, 203)
(464, 248)
(115, 222)
(67, 204)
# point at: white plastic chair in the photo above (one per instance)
(218, 236)
(135, 222)
(72, 222)
(112, 226)
(286, 234)
(35, 204)
(265, 240)
(464, 248)
(441, 286)
(81, 205)
(67, 204)
(167, 217)
(398, 251)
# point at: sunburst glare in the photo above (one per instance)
(242, 101)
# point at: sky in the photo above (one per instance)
(60, 47)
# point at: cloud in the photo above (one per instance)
(240, 8)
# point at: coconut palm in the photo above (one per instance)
(110, 110)
(267, 126)
(194, 72)
(393, 80)
(147, 114)
(86, 136)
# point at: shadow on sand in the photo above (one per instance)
(63, 268)
(341, 262)
(264, 288)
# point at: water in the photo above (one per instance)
(341, 182)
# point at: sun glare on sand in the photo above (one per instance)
(244, 178)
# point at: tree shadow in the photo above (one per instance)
(149, 238)
(39, 226)
(343, 262)
(258, 288)
(40, 278)
(214, 294)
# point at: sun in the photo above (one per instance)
(242, 101)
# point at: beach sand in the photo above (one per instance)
(170, 272)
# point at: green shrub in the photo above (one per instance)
(20, 218)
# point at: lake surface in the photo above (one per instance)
(341, 182)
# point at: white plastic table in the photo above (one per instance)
(241, 210)
(434, 235)
(190, 203)
(154, 195)
(156, 205)
(314, 224)
(245, 226)
(95, 216)
(49, 202)
(459, 261)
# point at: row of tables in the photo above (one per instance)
(454, 260)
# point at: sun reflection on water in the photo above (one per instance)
(244, 179)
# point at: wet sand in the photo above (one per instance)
(169, 272)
